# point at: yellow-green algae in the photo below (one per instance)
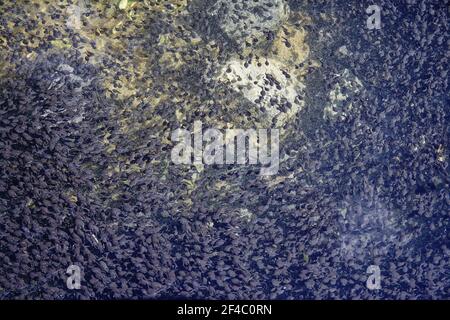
(106, 33)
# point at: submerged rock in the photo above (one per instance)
(266, 83)
(339, 104)
(250, 20)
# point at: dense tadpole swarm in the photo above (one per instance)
(86, 113)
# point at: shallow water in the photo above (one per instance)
(91, 92)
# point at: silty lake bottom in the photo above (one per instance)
(91, 91)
